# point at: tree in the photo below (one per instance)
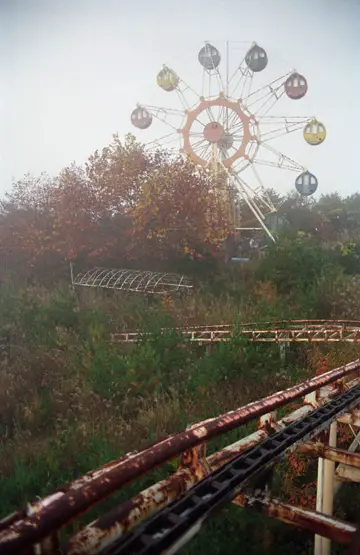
(125, 204)
(178, 212)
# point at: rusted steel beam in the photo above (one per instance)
(76, 501)
(114, 524)
(318, 523)
(111, 526)
(352, 418)
(331, 454)
(96, 536)
(107, 529)
(76, 484)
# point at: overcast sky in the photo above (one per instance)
(72, 71)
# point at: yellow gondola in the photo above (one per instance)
(167, 79)
(314, 132)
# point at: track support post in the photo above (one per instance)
(325, 492)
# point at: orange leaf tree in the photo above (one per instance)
(178, 212)
(125, 203)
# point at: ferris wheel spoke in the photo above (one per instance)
(165, 115)
(269, 103)
(282, 161)
(247, 85)
(182, 88)
(208, 77)
(220, 115)
(273, 86)
(236, 128)
(202, 150)
(166, 139)
(234, 124)
(233, 119)
(210, 114)
(219, 79)
(182, 99)
(264, 99)
(200, 122)
(279, 132)
(154, 109)
(281, 164)
(240, 77)
(286, 120)
(262, 105)
(196, 134)
(282, 126)
(223, 152)
(198, 143)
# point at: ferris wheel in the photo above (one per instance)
(229, 128)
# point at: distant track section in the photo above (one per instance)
(286, 331)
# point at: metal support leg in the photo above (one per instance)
(325, 492)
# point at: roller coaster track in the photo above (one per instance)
(174, 510)
(286, 331)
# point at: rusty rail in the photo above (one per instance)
(318, 523)
(193, 467)
(169, 529)
(294, 331)
(55, 511)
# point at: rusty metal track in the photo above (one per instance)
(171, 528)
(193, 467)
(291, 331)
(57, 510)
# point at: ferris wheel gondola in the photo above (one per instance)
(229, 126)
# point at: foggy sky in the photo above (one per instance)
(72, 71)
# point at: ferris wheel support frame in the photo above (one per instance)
(250, 203)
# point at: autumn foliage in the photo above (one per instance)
(125, 204)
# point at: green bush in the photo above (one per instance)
(294, 264)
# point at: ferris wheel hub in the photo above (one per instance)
(214, 132)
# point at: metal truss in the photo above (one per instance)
(201, 482)
(135, 281)
(292, 331)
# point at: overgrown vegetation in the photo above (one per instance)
(70, 399)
